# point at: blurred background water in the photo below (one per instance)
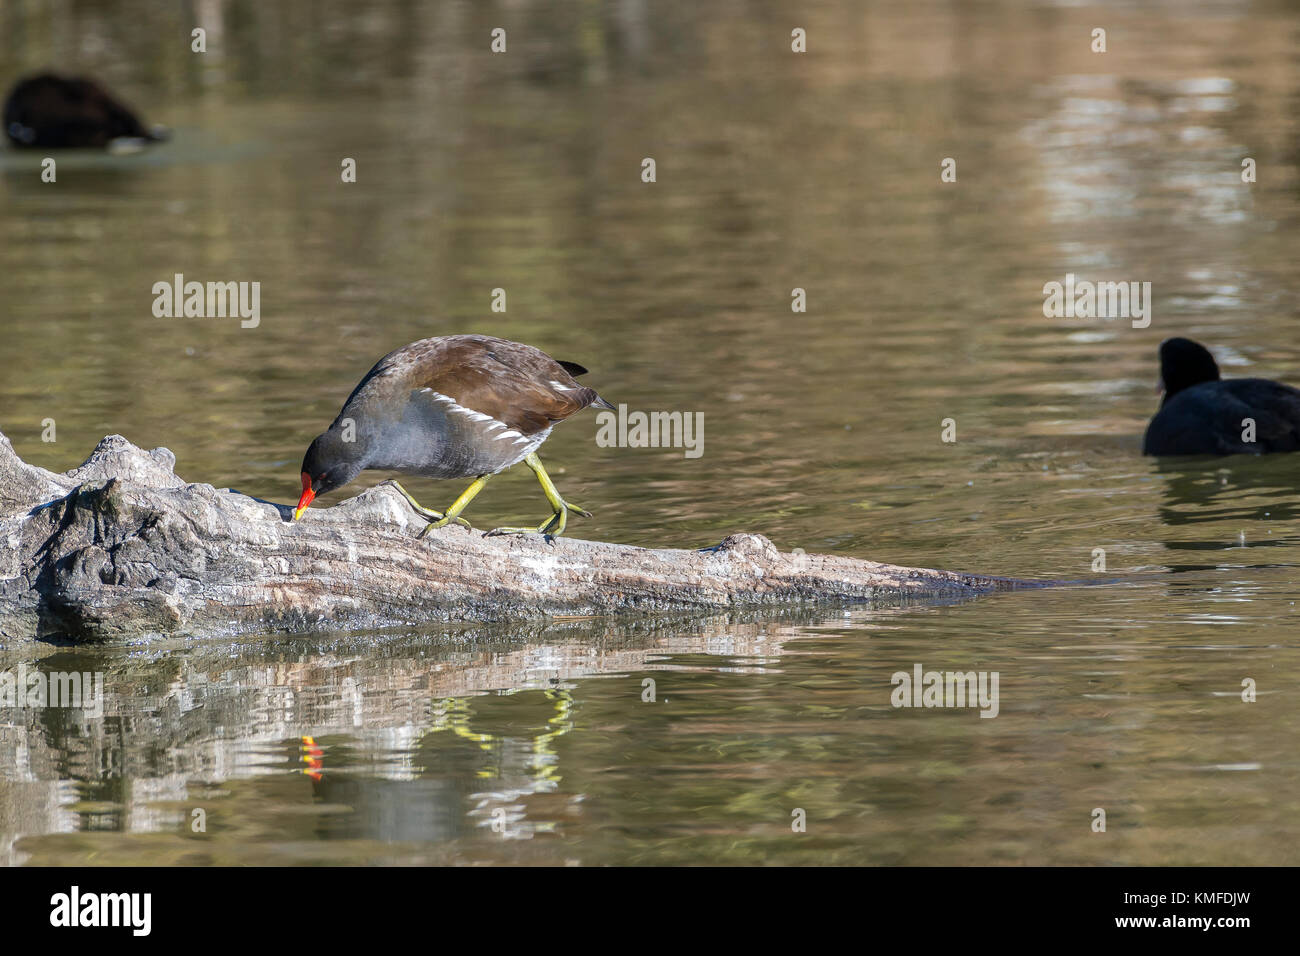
(775, 170)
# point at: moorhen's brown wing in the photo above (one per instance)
(462, 405)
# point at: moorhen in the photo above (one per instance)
(1202, 414)
(451, 407)
(56, 112)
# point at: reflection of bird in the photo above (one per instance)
(451, 407)
(1202, 414)
(55, 112)
(1228, 491)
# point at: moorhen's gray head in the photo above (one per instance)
(330, 463)
(1184, 363)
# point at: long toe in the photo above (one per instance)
(547, 527)
(418, 508)
(442, 522)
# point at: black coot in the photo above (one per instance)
(1202, 414)
(56, 112)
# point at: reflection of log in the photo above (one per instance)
(219, 709)
(120, 548)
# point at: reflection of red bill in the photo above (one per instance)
(314, 757)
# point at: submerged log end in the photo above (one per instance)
(121, 549)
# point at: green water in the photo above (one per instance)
(775, 171)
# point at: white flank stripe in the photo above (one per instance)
(471, 414)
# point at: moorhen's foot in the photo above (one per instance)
(442, 522)
(418, 508)
(548, 538)
(509, 529)
(436, 518)
(550, 529)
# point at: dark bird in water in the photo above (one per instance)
(1202, 414)
(453, 406)
(55, 112)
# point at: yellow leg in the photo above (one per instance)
(459, 505)
(419, 509)
(437, 518)
(556, 523)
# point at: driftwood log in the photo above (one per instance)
(120, 549)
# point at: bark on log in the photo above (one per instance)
(121, 549)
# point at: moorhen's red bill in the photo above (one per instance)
(451, 407)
